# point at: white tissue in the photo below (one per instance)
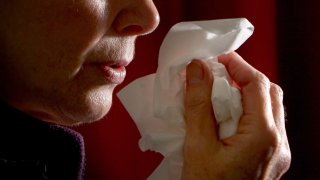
(155, 102)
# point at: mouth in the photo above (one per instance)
(114, 72)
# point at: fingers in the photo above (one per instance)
(198, 109)
(281, 159)
(277, 107)
(254, 86)
(279, 115)
(276, 94)
(263, 108)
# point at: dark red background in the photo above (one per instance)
(285, 34)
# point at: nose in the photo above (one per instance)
(138, 17)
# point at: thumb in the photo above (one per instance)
(199, 116)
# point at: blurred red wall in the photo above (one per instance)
(112, 150)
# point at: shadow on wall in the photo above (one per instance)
(299, 64)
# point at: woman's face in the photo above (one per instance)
(61, 59)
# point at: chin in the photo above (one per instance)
(82, 115)
(90, 118)
(86, 107)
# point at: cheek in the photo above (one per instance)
(69, 33)
(52, 38)
(75, 27)
(48, 47)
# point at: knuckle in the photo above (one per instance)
(285, 154)
(287, 162)
(280, 149)
(276, 89)
(197, 108)
(196, 111)
(198, 101)
(271, 138)
(285, 159)
(274, 139)
(262, 80)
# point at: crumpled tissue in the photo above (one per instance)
(155, 102)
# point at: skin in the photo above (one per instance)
(259, 149)
(45, 50)
(45, 46)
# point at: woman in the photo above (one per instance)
(61, 60)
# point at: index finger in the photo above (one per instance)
(255, 86)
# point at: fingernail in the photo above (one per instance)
(194, 73)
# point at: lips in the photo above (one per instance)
(113, 72)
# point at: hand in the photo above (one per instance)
(259, 149)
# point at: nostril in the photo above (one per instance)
(132, 29)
